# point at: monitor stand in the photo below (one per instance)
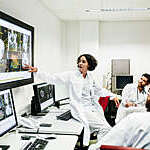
(43, 113)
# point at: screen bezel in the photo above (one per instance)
(14, 113)
(17, 83)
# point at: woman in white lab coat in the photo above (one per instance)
(83, 94)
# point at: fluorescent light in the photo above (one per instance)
(116, 9)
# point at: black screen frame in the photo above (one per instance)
(6, 131)
(18, 83)
(37, 98)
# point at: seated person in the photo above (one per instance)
(132, 131)
(133, 97)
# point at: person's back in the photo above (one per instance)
(132, 131)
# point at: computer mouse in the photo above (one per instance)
(45, 125)
(26, 137)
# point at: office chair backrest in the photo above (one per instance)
(111, 147)
(103, 101)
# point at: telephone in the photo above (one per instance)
(28, 122)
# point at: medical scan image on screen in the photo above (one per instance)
(7, 112)
(15, 51)
(44, 95)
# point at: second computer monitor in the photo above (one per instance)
(122, 81)
(44, 96)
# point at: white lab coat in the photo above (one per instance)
(132, 131)
(130, 93)
(73, 80)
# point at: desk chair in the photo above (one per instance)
(110, 109)
(103, 101)
(111, 147)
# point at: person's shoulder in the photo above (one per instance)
(131, 85)
(139, 117)
(72, 73)
(90, 74)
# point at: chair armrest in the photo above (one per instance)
(112, 147)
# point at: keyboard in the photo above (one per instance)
(4, 147)
(65, 116)
(38, 144)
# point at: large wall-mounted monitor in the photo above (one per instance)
(8, 118)
(16, 50)
(44, 96)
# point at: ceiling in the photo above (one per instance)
(76, 9)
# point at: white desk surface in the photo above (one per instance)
(66, 131)
(62, 142)
(64, 127)
(71, 126)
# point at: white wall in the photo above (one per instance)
(115, 40)
(89, 42)
(71, 39)
(48, 44)
(126, 40)
(89, 37)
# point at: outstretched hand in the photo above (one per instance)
(30, 68)
(129, 104)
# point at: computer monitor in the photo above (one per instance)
(16, 50)
(44, 96)
(122, 80)
(8, 119)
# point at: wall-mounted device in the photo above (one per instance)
(44, 96)
(120, 67)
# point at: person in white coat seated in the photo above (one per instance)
(131, 131)
(84, 94)
(134, 97)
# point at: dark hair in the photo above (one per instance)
(147, 76)
(147, 105)
(92, 62)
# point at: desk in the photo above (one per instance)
(70, 127)
(67, 132)
(62, 142)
